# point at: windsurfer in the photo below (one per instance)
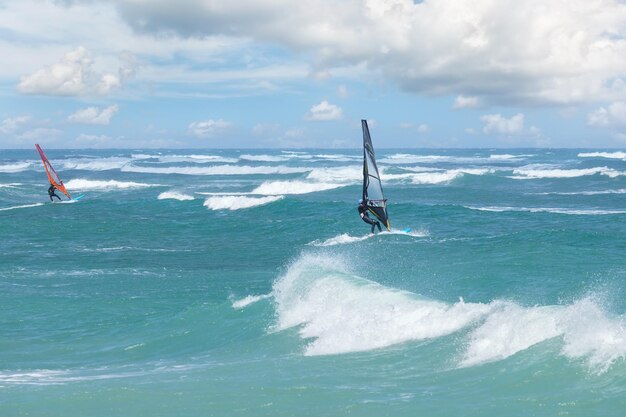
(365, 217)
(52, 194)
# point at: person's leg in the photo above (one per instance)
(51, 198)
(370, 222)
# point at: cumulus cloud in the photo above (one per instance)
(421, 128)
(462, 102)
(40, 133)
(324, 111)
(72, 76)
(613, 115)
(208, 128)
(496, 123)
(11, 125)
(569, 51)
(94, 116)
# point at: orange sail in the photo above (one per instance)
(52, 174)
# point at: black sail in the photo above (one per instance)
(372, 186)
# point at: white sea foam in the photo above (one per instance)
(10, 185)
(557, 210)
(588, 333)
(336, 312)
(338, 157)
(264, 158)
(510, 329)
(297, 155)
(99, 164)
(345, 238)
(345, 313)
(175, 195)
(236, 202)
(250, 299)
(15, 167)
(598, 192)
(436, 177)
(609, 155)
(144, 156)
(504, 157)
(341, 239)
(84, 184)
(343, 174)
(293, 187)
(22, 206)
(530, 173)
(403, 158)
(217, 170)
(196, 158)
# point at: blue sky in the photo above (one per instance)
(266, 74)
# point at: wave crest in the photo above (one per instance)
(237, 202)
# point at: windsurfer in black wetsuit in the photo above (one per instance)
(52, 194)
(365, 216)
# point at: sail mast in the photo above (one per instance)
(372, 186)
(53, 177)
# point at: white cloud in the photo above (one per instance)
(614, 115)
(208, 128)
(545, 52)
(73, 76)
(94, 116)
(463, 102)
(11, 125)
(324, 111)
(342, 91)
(495, 123)
(265, 129)
(91, 140)
(421, 128)
(40, 133)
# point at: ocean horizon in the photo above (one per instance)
(225, 282)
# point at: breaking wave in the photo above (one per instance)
(237, 202)
(16, 167)
(217, 170)
(250, 299)
(530, 173)
(588, 212)
(101, 164)
(83, 184)
(609, 155)
(337, 312)
(22, 206)
(196, 159)
(293, 187)
(264, 158)
(174, 195)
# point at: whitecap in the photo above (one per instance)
(293, 187)
(217, 170)
(175, 195)
(84, 184)
(235, 202)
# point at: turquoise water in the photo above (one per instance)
(215, 283)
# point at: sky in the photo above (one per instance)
(302, 74)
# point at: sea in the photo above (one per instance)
(208, 282)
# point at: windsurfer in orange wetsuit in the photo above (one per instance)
(52, 194)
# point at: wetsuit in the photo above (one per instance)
(366, 218)
(52, 194)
